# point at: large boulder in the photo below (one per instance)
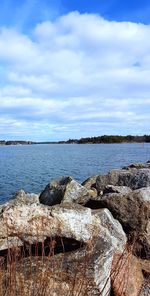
(121, 177)
(64, 190)
(43, 221)
(133, 178)
(131, 209)
(98, 233)
(66, 220)
(133, 212)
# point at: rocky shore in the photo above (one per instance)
(79, 239)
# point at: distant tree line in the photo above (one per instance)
(105, 139)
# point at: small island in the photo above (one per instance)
(3, 142)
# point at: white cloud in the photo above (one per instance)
(80, 72)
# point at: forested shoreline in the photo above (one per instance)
(109, 139)
(105, 139)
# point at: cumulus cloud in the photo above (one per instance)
(80, 75)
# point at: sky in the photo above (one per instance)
(74, 68)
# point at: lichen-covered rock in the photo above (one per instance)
(21, 198)
(100, 233)
(67, 220)
(25, 198)
(39, 220)
(65, 190)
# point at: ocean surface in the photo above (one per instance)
(31, 167)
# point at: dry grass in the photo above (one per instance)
(38, 270)
(46, 269)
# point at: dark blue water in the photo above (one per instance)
(32, 167)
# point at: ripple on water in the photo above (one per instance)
(32, 167)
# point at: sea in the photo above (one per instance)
(32, 167)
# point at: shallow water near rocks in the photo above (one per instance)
(31, 167)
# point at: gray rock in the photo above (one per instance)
(90, 182)
(116, 189)
(145, 291)
(137, 166)
(111, 226)
(135, 178)
(65, 190)
(25, 198)
(142, 244)
(131, 209)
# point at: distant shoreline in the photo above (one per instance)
(52, 143)
(111, 139)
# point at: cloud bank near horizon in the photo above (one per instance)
(80, 75)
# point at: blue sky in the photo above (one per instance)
(25, 14)
(70, 69)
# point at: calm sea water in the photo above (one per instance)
(32, 167)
